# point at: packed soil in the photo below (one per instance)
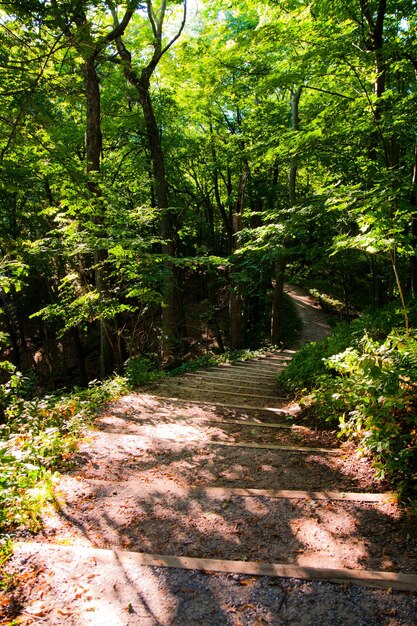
(157, 475)
(162, 517)
(126, 457)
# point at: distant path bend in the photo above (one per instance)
(313, 319)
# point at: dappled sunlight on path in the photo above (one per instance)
(184, 491)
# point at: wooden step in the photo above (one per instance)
(146, 440)
(278, 358)
(262, 446)
(260, 367)
(211, 379)
(237, 369)
(240, 394)
(212, 420)
(291, 494)
(285, 494)
(284, 360)
(108, 558)
(244, 407)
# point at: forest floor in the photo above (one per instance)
(206, 500)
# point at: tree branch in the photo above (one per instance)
(120, 27)
(184, 18)
(332, 93)
(152, 18)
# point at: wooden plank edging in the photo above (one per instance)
(221, 404)
(228, 444)
(367, 578)
(191, 420)
(237, 368)
(241, 394)
(290, 494)
(273, 494)
(261, 446)
(213, 378)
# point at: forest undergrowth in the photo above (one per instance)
(362, 379)
(40, 434)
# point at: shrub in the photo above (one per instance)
(364, 377)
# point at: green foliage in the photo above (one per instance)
(364, 378)
(305, 369)
(41, 433)
(140, 370)
(208, 360)
(39, 436)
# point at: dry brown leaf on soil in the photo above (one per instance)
(246, 581)
(65, 612)
(37, 608)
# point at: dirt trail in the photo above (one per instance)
(314, 321)
(205, 500)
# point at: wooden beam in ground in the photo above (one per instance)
(232, 444)
(261, 446)
(239, 394)
(287, 494)
(284, 358)
(269, 409)
(367, 578)
(273, 494)
(256, 369)
(235, 369)
(250, 423)
(229, 381)
(220, 374)
(212, 420)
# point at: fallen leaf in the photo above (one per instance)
(37, 608)
(246, 581)
(64, 612)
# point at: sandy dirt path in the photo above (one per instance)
(185, 493)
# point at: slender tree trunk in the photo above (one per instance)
(172, 297)
(236, 299)
(220, 206)
(9, 323)
(278, 300)
(413, 203)
(281, 263)
(80, 356)
(93, 142)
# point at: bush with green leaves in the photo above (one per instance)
(39, 435)
(365, 379)
(374, 396)
(140, 370)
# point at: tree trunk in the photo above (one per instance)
(413, 204)
(93, 142)
(172, 297)
(236, 300)
(278, 299)
(281, 263)
(9, 323)
(221, 208)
